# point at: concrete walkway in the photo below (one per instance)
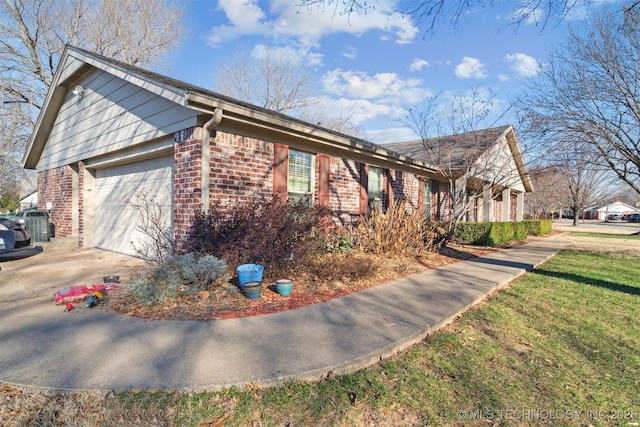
(42, 346)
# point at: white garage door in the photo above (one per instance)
(116, 190)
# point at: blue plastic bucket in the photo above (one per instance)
(249, 273)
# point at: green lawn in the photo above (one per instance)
(561, 346)
(607, 236)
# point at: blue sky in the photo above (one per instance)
(378, 64)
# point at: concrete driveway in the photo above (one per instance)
(61, 264)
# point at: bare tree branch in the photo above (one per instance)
(590, 90)
(469, 160)
(430, 13)
(35, 32)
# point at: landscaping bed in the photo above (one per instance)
(340, 274)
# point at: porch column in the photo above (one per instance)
(520, 207)
(506, 204)
(487, 204)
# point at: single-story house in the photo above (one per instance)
(109, 131)
(601, 212)
(492, 161)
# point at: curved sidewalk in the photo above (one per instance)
(42, 346)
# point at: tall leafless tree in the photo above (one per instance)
(278, 80)
(590, 90)
(584, 183)
(548, 184)
(35, 32)
(267, 77)
(468, 160)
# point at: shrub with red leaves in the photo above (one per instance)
(281, 236)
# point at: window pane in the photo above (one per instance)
(374, 189)
(427, 198)
(375, 183)
(300, 181)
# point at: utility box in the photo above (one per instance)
(37, 223)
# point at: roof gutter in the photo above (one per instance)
(253, 122)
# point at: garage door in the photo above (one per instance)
(116, 190)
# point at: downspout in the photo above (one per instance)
(205, 180)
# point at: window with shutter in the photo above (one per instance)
(374, 189)
(300, 176)
(427, 199)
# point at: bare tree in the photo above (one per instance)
(13, 137)
(429, 13)
(35, 32)
(470, 160)
(548, 184)
(270, 78)
(279, 80)
(590, 90)
(584, 184)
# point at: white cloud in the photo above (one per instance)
(382, 86)
(358, 110)
(308, 26)
(528, 15)
(418, 64)
(503, 78)
(245, 18)
(470, 68)
(392, 134)
(350, 52)
(293, 55)
(523, 64)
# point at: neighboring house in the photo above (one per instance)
(602, 212)
(492, 161)
(109, 131)
(29, 201)
(28, 192)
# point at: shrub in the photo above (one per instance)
(538, 227)
(490, 233)
(397, 232)
(182, 275)
(337, 242)
(280, 236)
(472, 232)
(154, 223)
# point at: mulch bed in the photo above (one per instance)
(342, 274)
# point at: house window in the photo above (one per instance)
(374, 189)
(300, 177)
(427, 199)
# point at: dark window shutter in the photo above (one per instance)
(390, 195)
(364, 185)
(324, 189)
(421, 195)
(280, 170)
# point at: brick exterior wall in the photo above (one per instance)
(241, 169)
(405, 186)
(440, 200)
(187, 158)
(56, 186)
(344, 184)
